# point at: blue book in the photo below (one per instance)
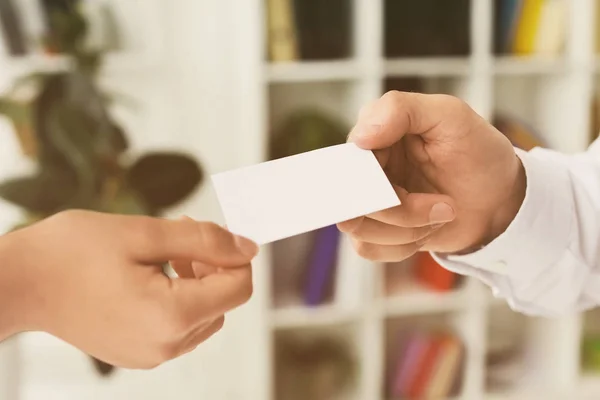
(509, 15)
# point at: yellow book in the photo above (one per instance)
(527, 27)
(550, 37)
(282, 37)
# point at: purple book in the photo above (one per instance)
(322, 265)
(409, 364)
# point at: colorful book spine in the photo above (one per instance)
(282, 36)
(432, 275)
(321, 267)
(424, 373)
(445, 371)
(427, 366)
(416, 349)
(550, 36)
(509, 13)
(527, 28)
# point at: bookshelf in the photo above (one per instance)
(547, 86)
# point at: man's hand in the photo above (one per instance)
(459, 179)
(96, 281)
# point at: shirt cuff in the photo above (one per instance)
(540, 232)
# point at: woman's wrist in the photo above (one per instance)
(15, 284)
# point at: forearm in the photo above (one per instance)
(13, 288)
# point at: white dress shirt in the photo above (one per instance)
(547, 263)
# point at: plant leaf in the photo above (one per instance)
(121, 98)
(44, 194)
(20, 116)
(125, 203)
(164, 179)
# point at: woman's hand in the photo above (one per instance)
(96, 281)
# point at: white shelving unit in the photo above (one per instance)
(552, 93)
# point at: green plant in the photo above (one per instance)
(80, 151)
(305, 130)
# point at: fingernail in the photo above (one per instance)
(364, 131)
(246, 246)
(441, 213)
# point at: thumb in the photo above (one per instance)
(386, 120)
(214, 295)
(158, 240)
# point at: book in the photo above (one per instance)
(322, 266)
(527, 28)
(428, 365)
(409, 363)
(281, 31)
(424, 373)
(550, 36)
(506, 16)
(442, 28)
(445, 370)
(324, 28)
(432, 275)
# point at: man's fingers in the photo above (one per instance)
(375, 232)
(385, 121)
(418, 210)
(350, 225)
(158, 240)
(383, 253)
(212, 296)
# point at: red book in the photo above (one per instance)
(433, 275)
(424, 373)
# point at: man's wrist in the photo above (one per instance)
(505, 215)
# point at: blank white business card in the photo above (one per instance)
(281, 198)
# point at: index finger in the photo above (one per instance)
(156, 240)
(385, 121)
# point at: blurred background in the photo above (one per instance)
(128, 106)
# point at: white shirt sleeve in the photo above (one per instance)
(547, 262)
